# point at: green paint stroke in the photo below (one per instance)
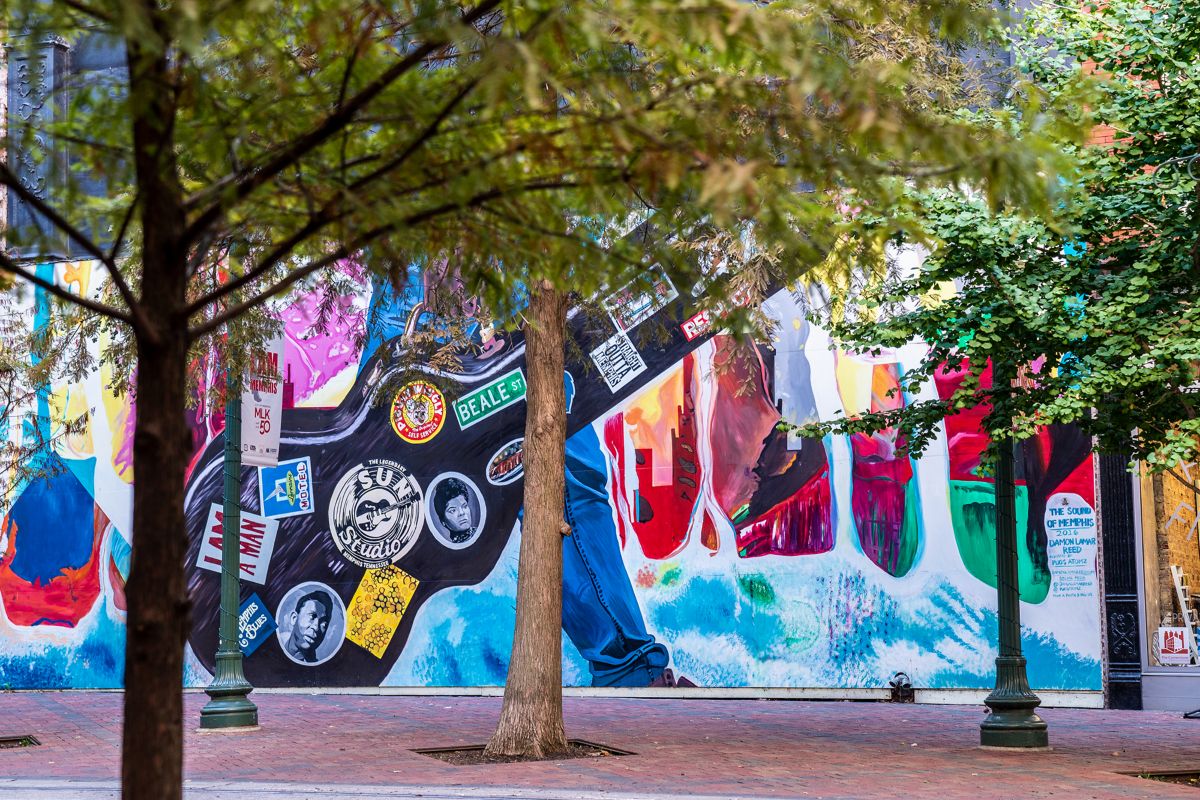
(973, 511)
(671, 575)
(910, 532)
(757, 588)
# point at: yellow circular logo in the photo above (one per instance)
(418, 412)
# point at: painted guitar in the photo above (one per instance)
(377, 464)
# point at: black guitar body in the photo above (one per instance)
(338, 442)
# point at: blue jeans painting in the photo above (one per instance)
(600, 613)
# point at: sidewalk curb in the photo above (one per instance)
(229, 790)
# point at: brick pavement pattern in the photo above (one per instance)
(719, 748)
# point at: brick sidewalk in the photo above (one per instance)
(684, 747)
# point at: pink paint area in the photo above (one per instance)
(880, 475)
(312, 358)
(206, 415)
(122, 426)
(799, 526)
(878, 505)
(742, 418)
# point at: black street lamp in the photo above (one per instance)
(1012, 721)
(230, 706)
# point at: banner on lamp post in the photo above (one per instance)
(262, 406)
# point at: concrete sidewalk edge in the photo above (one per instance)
(35, 788)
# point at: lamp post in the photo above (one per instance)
(1012, 721)
(230, 706)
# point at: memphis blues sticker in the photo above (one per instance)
(255, 624)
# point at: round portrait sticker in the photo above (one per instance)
(312, 623)
(418, 411)
(375, 513)
(455, 510)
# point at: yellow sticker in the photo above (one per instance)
(418, 411)
(378, 606)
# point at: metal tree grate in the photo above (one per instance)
(8, 742)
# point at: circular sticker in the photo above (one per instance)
(375, 513)
(312, 623)
(455, 510)
(418, 411)
(505, 465)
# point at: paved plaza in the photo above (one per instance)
(346, 747)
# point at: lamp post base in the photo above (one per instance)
(235, 711)
(1012, 722)
(1025, 730)
(230, 706)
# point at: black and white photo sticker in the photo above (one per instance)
(455, 510)
(312, 623)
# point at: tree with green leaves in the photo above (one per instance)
(1098, 303)
(514, 137)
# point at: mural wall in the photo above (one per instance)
(382, 550)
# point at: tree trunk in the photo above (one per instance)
(152, 741)
(531, 720)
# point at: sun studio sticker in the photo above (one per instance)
(418, 412)
(375, 513)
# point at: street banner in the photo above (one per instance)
(262, 406)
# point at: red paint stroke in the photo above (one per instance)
(966, 439)
(662, 513)
(798, 526)
(879, 478)
(614, 443)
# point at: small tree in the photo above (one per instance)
(764, 99)
(507, 132)
(1100, 302)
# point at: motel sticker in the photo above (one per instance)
(286, 490)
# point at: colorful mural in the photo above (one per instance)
(705, 539)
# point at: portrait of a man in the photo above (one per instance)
(312, 624)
